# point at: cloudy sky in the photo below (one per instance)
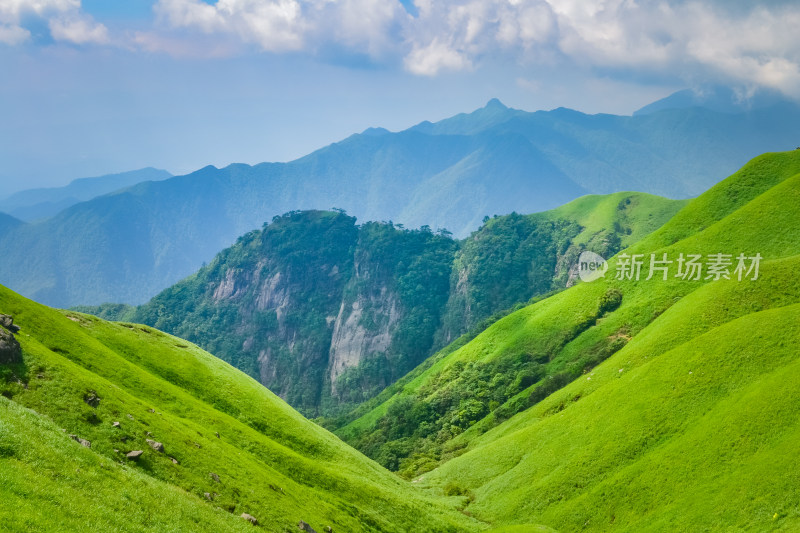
(89, 87)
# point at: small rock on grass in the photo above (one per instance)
(157, 446)
(83, 442)
(250, 518)
(135, 454)
(303, 526)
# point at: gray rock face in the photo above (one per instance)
(351, 342)
(134, 454)
(10, 350)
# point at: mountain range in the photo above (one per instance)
(663, 402)
(128, 245)
(36, 204)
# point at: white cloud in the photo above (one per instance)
(78, 29)
(701, 40)
(435, 57)
(64, 18)
(274, 25)
(366, 26)
(693, 40)
(15, 8)
(13, 34)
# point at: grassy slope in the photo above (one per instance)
(596, 214)
(641, 212)
(555, 463)
(272, 463)
(688, 427)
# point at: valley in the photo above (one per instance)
(619, 404)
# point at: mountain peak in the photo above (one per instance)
(495, 103)
(375, 132)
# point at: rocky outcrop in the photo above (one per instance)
(7, 321)
(10, 349)
(352, 342)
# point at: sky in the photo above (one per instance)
(91, 87)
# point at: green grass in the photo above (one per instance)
(637, 213)
(700, 437)
(685, 414)
(272, 463)
(51, 483)
(688, 423)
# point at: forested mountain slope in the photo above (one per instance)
(127, 247)
(327, 313)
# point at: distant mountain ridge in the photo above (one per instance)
(127, 246)
(33, 204)
(715, 98)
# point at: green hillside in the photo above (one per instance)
(622, 404)
(327, 313)
(229, 445)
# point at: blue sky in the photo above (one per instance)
(97, 86)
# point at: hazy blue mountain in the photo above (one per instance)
(8, 223)
(33, 204)
(127, 246)
(715, 98)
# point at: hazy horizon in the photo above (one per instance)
(98, 87)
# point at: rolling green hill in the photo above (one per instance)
(662, 404)
(229, 445)
(627, 405)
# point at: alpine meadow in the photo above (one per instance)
(399, 266)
